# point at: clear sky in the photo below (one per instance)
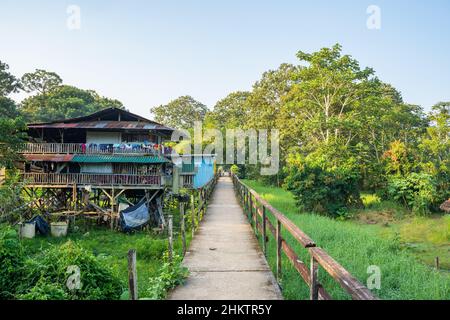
(146, 53)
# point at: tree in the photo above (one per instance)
(328, 97)
(8, 82)
(11, 137)
(64, 102)
(231, 111)
(8, 108)
(180, 113)
(435, 149)
(41, 81)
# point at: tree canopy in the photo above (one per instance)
(180, 113)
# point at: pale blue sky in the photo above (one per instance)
(146, 53)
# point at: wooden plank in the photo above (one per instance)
(356, 289)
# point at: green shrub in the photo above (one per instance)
(12, 261)
(170, 275)
(414, 190)
(45, 290)
(48, 273)
(331, 191)
(234, 169)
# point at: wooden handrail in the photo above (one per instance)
(90, 179)
(77, 148)
(250, 200)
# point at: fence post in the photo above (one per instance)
(132, 275)
(278, 234)
(250, 204)
(192, 215)
(170, 230)
(264, 235)
(314, 288)
(436, 263)
(183, 227)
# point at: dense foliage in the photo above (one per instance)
(181, 113)
(321, 190)
(340, 122)
(45, 276)
(50, 271)
(12, 262)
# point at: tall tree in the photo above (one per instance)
(8, 82)
(41, 81)
(180, 113)
(231, 111)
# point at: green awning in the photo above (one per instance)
(92, 158)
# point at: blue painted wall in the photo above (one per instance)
(205, 172)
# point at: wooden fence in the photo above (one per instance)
(259, 210)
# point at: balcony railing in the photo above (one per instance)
(61, 179)
(187, 181)
(77, 148)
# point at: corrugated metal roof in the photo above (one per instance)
(49, 157)
(118, 159)
(104, 119)
(134, 125)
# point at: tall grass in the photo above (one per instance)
(356, 248)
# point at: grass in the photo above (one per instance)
(356, 247)
(113, 246)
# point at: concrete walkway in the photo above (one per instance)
(224, 259)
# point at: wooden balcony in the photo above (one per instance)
(95, 180)
(77, 148)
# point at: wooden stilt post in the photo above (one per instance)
(132, 275)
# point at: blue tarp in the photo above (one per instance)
(135, 216)
(41, 225)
